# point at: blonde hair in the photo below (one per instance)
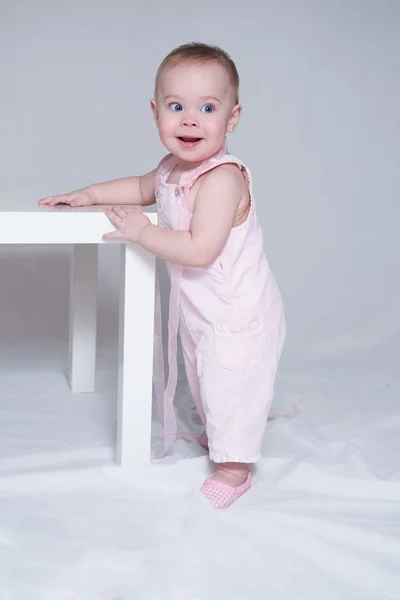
(201, 53)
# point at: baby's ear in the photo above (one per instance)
(153, 106)
(234, 118)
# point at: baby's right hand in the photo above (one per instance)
(83, 197)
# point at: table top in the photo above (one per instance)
(23, 221)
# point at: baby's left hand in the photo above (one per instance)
(130, 223)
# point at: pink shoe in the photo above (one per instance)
(222, 495)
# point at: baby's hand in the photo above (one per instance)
(83, 197)
(130, 223)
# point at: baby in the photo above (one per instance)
(224, 298)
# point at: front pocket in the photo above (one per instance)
(241, 348)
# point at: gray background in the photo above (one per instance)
(320, 86)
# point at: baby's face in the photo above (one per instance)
(194, 108)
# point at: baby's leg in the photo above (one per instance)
(236, 389)
(236, 406)
(237, 415)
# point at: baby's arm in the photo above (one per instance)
(215, 208)
(139, 190)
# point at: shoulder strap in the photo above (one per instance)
(164, 170)
(188, 179)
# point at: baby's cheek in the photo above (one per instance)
(166, 121)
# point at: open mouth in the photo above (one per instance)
(189, 140)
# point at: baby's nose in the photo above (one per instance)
(190, 121)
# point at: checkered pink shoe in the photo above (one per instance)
(221, 495)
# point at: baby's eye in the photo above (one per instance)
(176, 106)
(207, 108)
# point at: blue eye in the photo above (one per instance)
(207, 108)
(175, 106)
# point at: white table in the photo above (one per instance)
(23, 222)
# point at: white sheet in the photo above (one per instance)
(322, 520)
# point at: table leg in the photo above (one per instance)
(135, 366)
(83, 317)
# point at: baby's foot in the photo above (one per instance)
(232, 473)
(227, 484)
(203, 441)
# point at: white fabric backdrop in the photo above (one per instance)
(320, 132)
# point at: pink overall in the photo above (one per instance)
(231, 323)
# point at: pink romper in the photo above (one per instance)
(231, 324)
